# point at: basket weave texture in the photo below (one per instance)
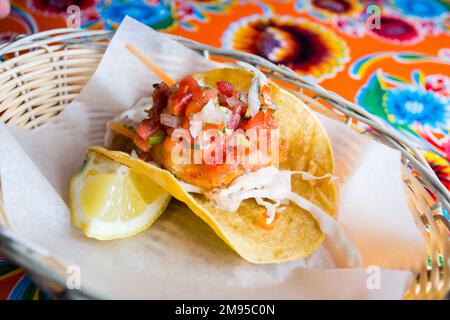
(42, 73)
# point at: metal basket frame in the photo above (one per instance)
(59, 48)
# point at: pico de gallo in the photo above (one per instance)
(235, 115)
(197, 108)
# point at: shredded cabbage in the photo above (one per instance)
(190, 188)
(271, 187)
(258, 81)
(254, 101)
(262, 77)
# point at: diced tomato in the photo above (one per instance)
(148, 126)
(185, 124)
(194, 88)
(242, 124)
(243, 110)
(169, 131)
(262, 223)
(225, 88)
(160, 95)
(240, 108)
(266, 95)
(223, 100)
(270, 121)
(233, 103)
(256, 122)
(142, 144)
(178, 101)
(262, 120)
(260, 155)
(192, 107)
(145, 156)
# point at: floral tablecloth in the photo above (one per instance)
(391, 57)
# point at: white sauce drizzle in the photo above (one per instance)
(270, 187)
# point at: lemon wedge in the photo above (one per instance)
(111, 201)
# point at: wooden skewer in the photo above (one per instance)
(153, 67)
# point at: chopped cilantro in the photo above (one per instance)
(155, 139)
(263, 109)
(129, 127)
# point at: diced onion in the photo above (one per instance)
(211, 114)
(232, 101)
(260, 79)
(254, 101)
(243, 97)
(189, 187)
(170, 120)
(227, 113)
(134, 154)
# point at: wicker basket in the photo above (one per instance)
(42, 73)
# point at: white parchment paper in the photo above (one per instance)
(179, 257)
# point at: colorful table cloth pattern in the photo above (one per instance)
(391, 57)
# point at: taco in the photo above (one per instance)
(246, 156)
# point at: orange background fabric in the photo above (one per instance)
(398, 71)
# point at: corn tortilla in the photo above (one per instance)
(296, 233)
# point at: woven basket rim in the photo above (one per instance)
(27, 254)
